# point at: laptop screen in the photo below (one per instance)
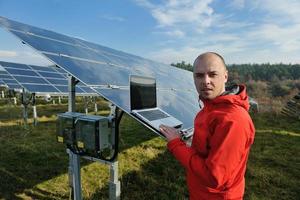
(142, 92)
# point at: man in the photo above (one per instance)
(215, 162)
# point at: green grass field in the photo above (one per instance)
(34, 166)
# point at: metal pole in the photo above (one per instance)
(74, 160)
(96, 106)
(34, 110)
(25, 114)
(59, 100)
(114, 183)
(85, 100)
(2, 93)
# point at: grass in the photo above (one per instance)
(34, 166)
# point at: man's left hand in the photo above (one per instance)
(170, 132)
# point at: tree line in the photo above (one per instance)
(257, 72)
(267, 83)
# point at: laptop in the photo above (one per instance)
(143, 103)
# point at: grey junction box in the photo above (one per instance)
(93, 134)
(65, 127)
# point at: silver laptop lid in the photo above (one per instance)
(142, 92)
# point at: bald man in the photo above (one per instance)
(215, 163)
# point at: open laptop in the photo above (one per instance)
(143, 103)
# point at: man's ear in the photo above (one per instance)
(226, 76)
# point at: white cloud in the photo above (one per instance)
(281, 9)
(172, 55)
(180, 15)
(270, 35)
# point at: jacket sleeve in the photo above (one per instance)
(227, 145)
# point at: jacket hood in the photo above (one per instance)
(233, 95)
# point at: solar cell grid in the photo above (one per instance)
(27, 79)
(21, 72)
(14, 86)
(14, 65)
(45, 69)
(5, 76)
(46, 79)
(10, 81)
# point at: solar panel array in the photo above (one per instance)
(8, 80)
(292, 108)
(108, 70)
(38, 79)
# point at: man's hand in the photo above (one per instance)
(170, 132)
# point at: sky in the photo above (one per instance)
(168, 31)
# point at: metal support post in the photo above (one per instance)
(59, 100)
(25, 114)
(86, 103)
(34, 110)
(114, 183)
(96, 106)
(74, 159)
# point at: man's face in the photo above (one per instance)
(210, 77)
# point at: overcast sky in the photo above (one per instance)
(169, 31)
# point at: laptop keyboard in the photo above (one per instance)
(153, 114)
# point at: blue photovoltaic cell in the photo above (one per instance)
(40, 88)
(57, 81)
(14, 86)
(21, 72)
(39, 68)
(94, 64)
(91, 74)
(10, 81)
(24, 79)
(38, 83)
(14, 65)
(5, 76)
(51, 75)
(87, 89)
(2, 83)
(3, 72)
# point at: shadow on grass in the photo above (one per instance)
(28, 157)
(273, 168)
(160, 178)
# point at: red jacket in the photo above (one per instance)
(216, 161)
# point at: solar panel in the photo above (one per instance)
(8, 80)
(38, 79)
(2, 83)
(108, 70)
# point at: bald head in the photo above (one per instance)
(210, 56)
(210, 75)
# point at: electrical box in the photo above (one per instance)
(88, 135)
(93, 134)
(65, 128)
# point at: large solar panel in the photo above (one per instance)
(108, 70)
(39, 79)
